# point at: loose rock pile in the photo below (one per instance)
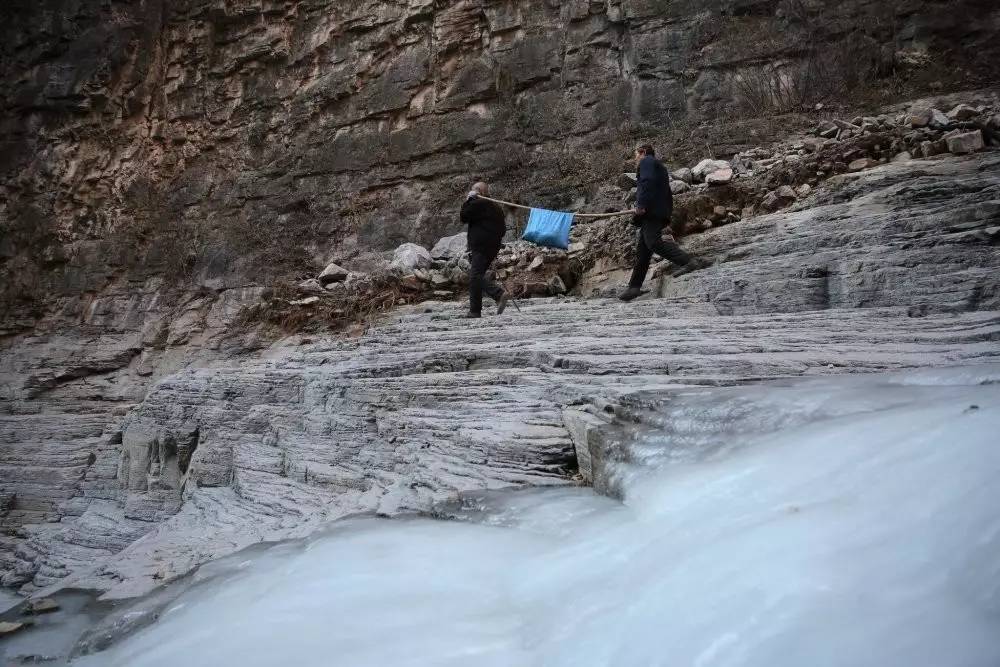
(340, 299)
(718, 192)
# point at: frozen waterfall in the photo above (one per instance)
(859, 524)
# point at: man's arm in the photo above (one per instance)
(466, 213)
(668, 194)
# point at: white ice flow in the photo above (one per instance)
(858, 525)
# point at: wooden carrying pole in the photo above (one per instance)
(631, 211)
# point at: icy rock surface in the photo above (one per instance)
(855, 524)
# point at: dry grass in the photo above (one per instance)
(334, 311)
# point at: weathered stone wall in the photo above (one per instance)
(208, 137)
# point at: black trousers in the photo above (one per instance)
(479, 282)
(650, 241)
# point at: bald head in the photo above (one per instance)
(481, 188)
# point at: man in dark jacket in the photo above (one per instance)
(487, 226)
(654, 204)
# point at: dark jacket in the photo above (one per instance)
(653, 191)
(486, 222)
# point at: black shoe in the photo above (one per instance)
(630, 293)
(473, 316)
(502, 303)
(695, 264)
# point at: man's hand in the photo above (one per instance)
(640, 211)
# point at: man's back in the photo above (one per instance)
(485, 220)
(653, 193)
(487, 226)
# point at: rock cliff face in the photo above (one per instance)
(199, 137)
(159, 157)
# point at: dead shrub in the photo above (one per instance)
(807, 57)
(334, 311)
(843, 74)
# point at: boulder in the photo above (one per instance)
(308, 301)
(333, 274)
(627, 181)
(556, 285)
(902, 157)
(779, 198)
(962, 112)
(938, 119)
(827, 129)
(683, 174)
(439, 280)
(310, 286)
(706, 167)
(451, 247)
(786, 192)
(967, 142)
(932, 148)
(535, 287)
(770, 202)
(719, 176)
(861, 164)
(919, 117)
(803, 190)
(813, 145)
(536, 263)
(679, 187)
(410, 256)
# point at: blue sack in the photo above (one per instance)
(548, 228)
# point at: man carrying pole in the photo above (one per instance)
(487, 226)
(654, 204)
